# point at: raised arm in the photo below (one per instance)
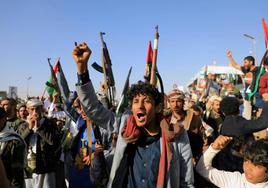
(204, 166)
(94, 109)
(232, 61)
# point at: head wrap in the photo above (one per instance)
(176, 94)
(34, 103)
(215, 97)
(20, 105)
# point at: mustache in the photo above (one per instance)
(178, 110)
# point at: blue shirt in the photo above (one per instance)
(144, 162)
(84, 135)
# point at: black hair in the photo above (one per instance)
(257, 152)
(2, 112)
(265, 61)
(197, 108)
(145, 89)
(12, 101)
(230, 106)
(250, 58)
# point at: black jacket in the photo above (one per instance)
(237, 126)
(48, 140)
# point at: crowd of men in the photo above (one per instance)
(197, 138)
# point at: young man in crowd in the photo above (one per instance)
(187, 119)
(10, 105)
(255, 165)
(250, 73)
(150, 151)
(22, 112)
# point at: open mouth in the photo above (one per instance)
(140, 116)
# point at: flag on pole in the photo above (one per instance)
(149, 61)
(57, 81)
(62, 82)
(52, 82)
(123, 102)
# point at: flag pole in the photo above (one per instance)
(153, 71)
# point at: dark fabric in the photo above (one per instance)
(255, 72)
(230, 158)
(2, 112)
(196, 143)
(48, 140)
(215, 121)
(74, 115)
(14, 123)
(98, 171)
(13, 160)
(83, 78)
(80, 178)
(122, 172)
(99, 175)
(236, 126)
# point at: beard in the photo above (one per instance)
(247, 68)
(178, 111)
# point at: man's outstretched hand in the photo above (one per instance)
(81, 54)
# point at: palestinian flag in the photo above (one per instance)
(57, 82)
(52, 82)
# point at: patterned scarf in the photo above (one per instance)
(7, 136)
(131, 133)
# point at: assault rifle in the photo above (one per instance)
(106, 69)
